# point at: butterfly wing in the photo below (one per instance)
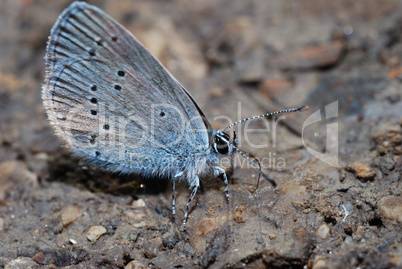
(112, 101)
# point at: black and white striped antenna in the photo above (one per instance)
(302, 108)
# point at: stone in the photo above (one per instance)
(70, 214)
(39, 258)
(318, 56)
(139, 203)
(320, 264)
(131, 235)
(391, 208)
(323, 231)
(272, 236)
(135, 265)
(151, 248)
(361, 171)
(21, 262)
(95, 232)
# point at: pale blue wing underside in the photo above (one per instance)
(113, 102)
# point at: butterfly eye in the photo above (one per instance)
(221, 146)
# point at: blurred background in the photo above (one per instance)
(237, 59)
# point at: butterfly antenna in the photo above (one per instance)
(252, 160)
(302, 108)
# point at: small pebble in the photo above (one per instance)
(41, 156)
(320, 264)
(141, 224)
(316, 56)
(361, 171)
(151, 248)
(135, 265)
(391, 208)
(39, 258)
(95, 232)
(139, 203)
(323, 231)
(272, 236)
(21, 262)
(70, 214)
(131, 235)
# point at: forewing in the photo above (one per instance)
(111, 100)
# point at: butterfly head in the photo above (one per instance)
(222, 143)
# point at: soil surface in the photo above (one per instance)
(338, 165)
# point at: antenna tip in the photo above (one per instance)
(304, 108)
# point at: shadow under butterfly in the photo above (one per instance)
(114, 103)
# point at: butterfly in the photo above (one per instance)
(113, 103)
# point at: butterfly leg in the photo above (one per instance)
(179, 174)
(188, 205)
(174, 201)
(220, 171)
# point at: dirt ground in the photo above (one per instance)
(237, 58)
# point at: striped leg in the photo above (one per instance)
(222, 172)
(174, 201)
(178, 175)
(188, 206)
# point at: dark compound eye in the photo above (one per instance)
(221, 145)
